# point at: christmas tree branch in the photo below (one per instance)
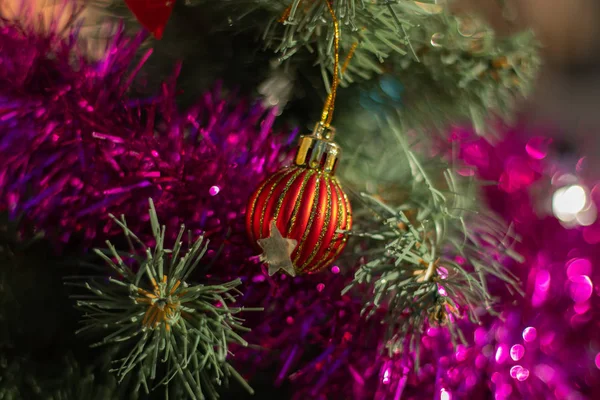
(371, 31)
(451, 67)
(173, 329)
(432, 253)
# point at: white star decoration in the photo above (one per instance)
(277, 251)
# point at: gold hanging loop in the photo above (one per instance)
(327, 114)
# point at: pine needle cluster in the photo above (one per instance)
(431, 255)
(165, 327)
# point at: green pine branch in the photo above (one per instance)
(371, 32)
(431, 253)
(166, 327)
(453, 68)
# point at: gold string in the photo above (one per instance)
(349, 57)
(327, 114)
(326, 107)
(285, 15)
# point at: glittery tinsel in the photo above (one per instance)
(546, 345)
(77, 144)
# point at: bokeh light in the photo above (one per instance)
(569, 201)
(572, 205)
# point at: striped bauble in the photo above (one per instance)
(307, 204)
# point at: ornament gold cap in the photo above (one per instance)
(317, 150)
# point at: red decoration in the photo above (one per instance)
(307, 204)
(152, 14)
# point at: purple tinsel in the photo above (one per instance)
(548, 346)
(544, 345)
(75, 145)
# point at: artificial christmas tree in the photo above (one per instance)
(433, 283)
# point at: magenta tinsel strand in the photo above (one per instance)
(545, 345)
(548, 346)
(76, 146)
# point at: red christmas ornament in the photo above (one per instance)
(307, 205)
(152, 14)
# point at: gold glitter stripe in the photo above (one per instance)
(311, 219)
(326, 223)
(333, 242)
(348, 212)
(261, 221)
(285, 190)
(348, 226)
(256, 196)
(305, 180)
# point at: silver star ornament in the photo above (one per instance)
(277, 251)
